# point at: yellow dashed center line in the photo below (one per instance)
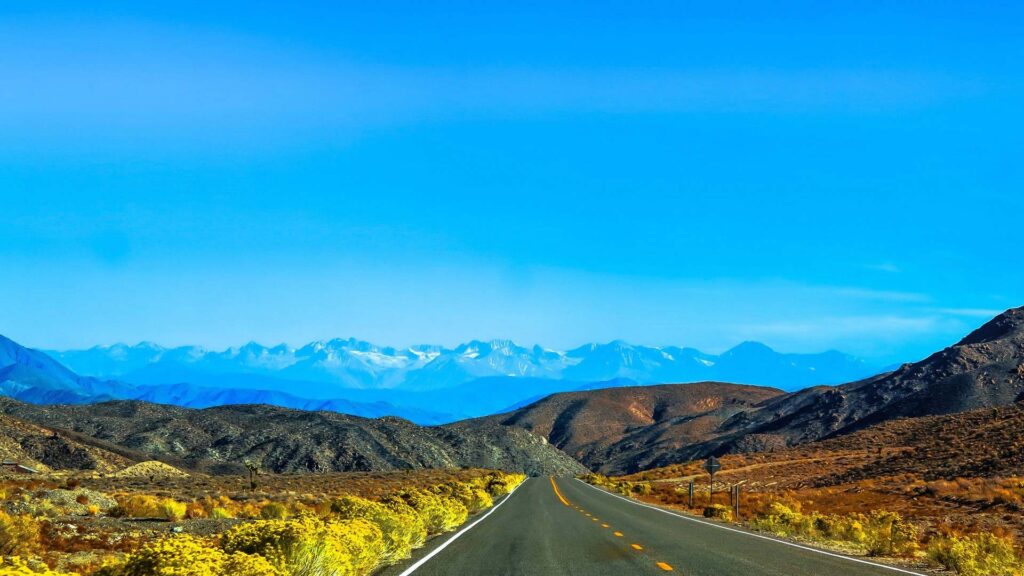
(558, 493)
(617, 534)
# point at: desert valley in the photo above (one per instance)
(104, 488)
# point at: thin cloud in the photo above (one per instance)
(971, 312)
(841, 327)
(884, 267)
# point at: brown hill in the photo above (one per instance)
(984, 443)
(981, 443)
(624, 429)
(985, 369)
(628, 429)
(219, 439)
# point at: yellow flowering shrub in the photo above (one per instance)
(880, 533)
(402, 529)
(440, 514)
(137, 506)
(472, 497)
(16, 566)
(888, 534)
(189, 556)
(977, 555)
(19, 534)
(501, 483)
(248, 564)
(363, 541)
(308, 546)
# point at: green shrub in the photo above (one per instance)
(220, 513)
(274, 511)
(171, 509)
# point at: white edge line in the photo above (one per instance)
(751, 534)
(455, 536)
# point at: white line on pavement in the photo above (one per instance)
(434, 552)
(751, 534)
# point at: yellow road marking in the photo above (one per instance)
(664, 567)
(595, 519)
(558, 493)
(604, 525)
(637, 547)
(619, 534)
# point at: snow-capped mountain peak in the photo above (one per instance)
(353, 363)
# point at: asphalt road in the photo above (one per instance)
(563, 526)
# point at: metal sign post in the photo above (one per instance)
(712, 465)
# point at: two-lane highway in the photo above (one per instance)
(562, 526)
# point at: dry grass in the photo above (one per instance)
(949, 514)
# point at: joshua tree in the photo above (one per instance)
(254, 471)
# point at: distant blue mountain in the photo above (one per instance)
(337, 367)
(430, 384)
(425, 384)
(191, 396)
(32, 376)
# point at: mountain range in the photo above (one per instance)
(432, 384)
(614, 428)
(342, 365)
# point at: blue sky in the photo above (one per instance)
(812, 175)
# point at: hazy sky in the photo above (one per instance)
(811, 175)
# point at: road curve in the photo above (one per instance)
(553, 527)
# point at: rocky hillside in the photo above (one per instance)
(622, 429)
(629, 429)
(985, 369)
(283, 440)
(977, 443)
(45, 450)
